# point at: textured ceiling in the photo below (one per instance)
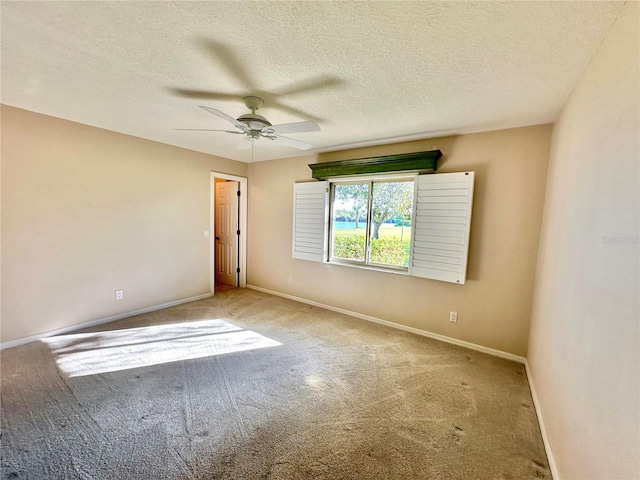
(367, 72)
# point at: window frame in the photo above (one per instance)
(370, 180)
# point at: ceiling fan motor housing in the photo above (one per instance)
(255, 121)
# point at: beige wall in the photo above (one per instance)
(493, 306)
(86, 211)
(583, 350)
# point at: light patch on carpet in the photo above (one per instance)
(314, 381)
(110, 351)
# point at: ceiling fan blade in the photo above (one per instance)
(290, 142)
(208, 130)
(317, 83)
(245, 143)
(293, 111)
(296, 127)
(202, 94)
(229, 59)
(224, 116)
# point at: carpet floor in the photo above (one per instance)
(246, 385)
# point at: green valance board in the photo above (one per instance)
(422, 162)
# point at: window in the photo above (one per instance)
(415, 225)
(371, 222)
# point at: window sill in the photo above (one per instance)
(374, 268)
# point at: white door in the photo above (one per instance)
(227, 232)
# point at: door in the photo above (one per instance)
(226, 232)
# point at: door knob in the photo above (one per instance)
(217, 238)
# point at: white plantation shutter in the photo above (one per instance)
(442, 225)
(310, 220)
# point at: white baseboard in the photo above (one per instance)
(543, 430)
(424, 333)
(100, 321)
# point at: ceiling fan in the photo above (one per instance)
(254, 126)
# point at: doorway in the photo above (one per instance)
(229, 225)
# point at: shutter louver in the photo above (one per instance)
(442, 224)
(310, 221)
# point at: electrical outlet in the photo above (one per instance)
(290, 280)
(453, 317)
(119, 294)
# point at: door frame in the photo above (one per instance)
(242, 261)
